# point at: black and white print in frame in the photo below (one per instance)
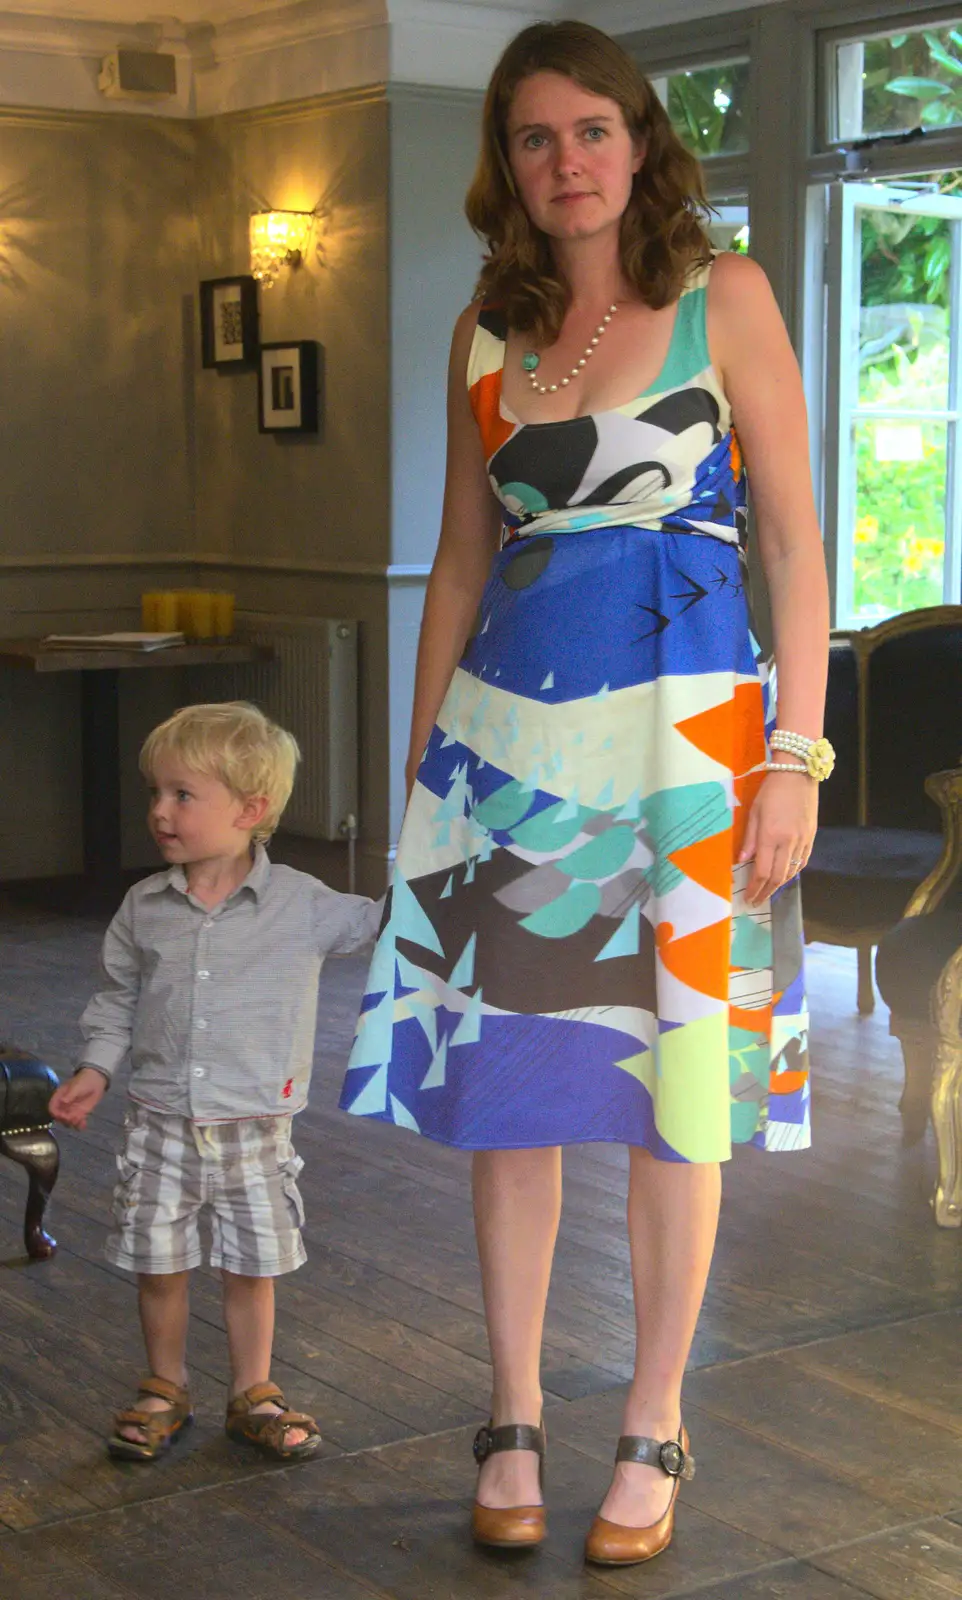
(287, 387)
(228, 323)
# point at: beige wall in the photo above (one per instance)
(97, 253)
(124, 464)
(97, 459)
(323, 497)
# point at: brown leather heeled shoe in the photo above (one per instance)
(610, 1544)
(509, 1527)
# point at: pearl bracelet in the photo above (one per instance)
(785, 766)
(783, 740)
(817, 755)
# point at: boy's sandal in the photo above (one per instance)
(268, 1430)
(159, 1428)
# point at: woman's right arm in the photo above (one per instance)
(470, 533)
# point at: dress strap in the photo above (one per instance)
(488, 344)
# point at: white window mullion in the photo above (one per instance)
(952, 583)
(841, 389)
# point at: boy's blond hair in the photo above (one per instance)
(236, 744)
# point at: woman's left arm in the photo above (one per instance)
(751, 347)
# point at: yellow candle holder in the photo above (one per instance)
(223, 615)
(199, 614)
(165, 612)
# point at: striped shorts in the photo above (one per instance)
(243, 1175)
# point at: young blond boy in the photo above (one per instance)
(210, 988)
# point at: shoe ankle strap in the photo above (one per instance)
(668, 1454)
(511, 1436)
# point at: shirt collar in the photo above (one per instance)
(256, 881)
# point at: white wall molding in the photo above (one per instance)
(257, 33)
(53, 62)
(243, 53)
(71, 36)
(437, 93)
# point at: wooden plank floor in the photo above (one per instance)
(824, 1400)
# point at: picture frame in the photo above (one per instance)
(287, 387)
(229, 333)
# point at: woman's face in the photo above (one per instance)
(572, 156)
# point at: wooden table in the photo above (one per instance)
(100, 732)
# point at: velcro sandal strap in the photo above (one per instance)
(257, 1395)
(669, 1454)
(488, 1441)
(162, 1389)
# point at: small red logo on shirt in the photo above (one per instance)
(286, 1091)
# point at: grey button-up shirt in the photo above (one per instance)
(217, 1007)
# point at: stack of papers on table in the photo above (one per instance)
(113, 641)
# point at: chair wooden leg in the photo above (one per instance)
(866, 987)
(947, 1094)
(918, 1041)
(38, 1152)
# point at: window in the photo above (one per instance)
(708, 106)
(729, 229)
(895, 82)
(893, 441)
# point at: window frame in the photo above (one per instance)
(878, 23)
(715, 41)
(843, 408)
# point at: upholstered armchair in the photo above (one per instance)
(894, 715)
(919, 972)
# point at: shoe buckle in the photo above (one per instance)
(481, 1448)
(671, 1458)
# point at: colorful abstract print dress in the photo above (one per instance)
(566, 953)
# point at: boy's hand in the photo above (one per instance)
(73, 1102)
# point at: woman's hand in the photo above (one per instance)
(73, 1102)
(780, 832)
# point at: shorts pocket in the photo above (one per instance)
(290, 1171)
(126, 1190)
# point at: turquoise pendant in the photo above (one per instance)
(530, 360)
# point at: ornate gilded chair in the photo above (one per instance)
(894, 715)
(26, 1085)
(919, 972)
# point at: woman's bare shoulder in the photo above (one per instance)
(463, 336)
(737, 282)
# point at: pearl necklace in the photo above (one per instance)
(531, 359)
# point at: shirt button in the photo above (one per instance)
(198, 1072)
(203, 974)
(200, 1023)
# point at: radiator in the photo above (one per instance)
(310, 688)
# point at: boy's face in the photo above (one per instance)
(196, 818)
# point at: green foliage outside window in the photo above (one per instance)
(708, 108)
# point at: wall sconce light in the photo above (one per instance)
(278, 239)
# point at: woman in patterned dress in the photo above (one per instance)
(593, 931)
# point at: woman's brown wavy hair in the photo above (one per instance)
(663, 228)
